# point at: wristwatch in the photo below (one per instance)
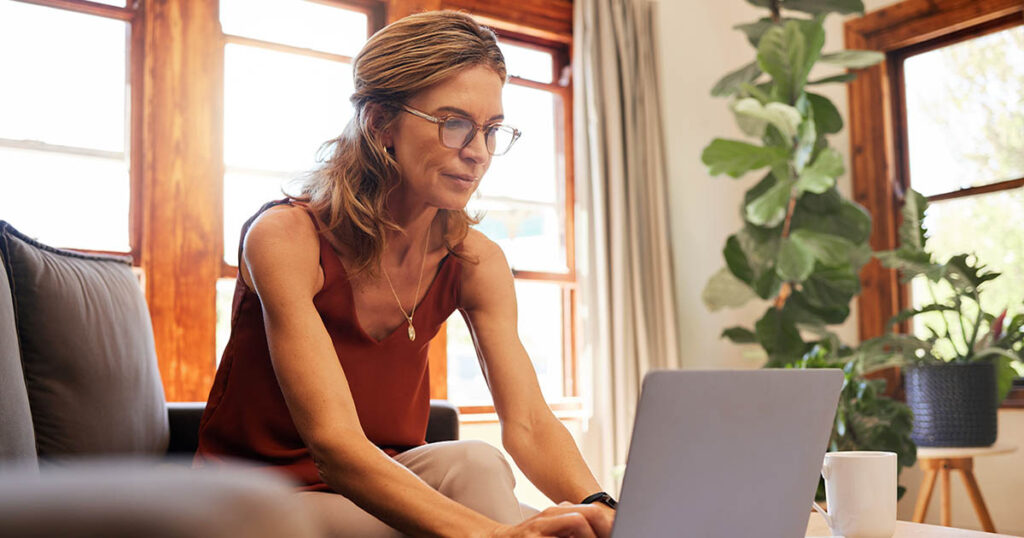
(601, 497)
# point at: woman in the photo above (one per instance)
(339, 292)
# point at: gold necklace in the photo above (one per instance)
(408, 317)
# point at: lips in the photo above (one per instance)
(462, 177)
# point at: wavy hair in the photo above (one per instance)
(349, 190)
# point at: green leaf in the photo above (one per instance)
(753, 117)
(965, 276)
(817, 7)
(788, 52)
(829, 213)
(904, 315)
(769, 209)
(731, 83)
(779, 337)
(853, 59)
(912, 230)
(802, 312)
(740, 335)
(830, 250)
(754, 30)
(1005, 374)
(910, 263)
(724, 290)
(831, 286)
(808, 137)
(736, 260)
(826, 115)
(736, 158)
(842, 77)
(822, 173)
(795, 261)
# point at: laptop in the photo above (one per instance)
(726, 453)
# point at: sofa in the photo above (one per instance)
(88, 444)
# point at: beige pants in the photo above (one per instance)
(472, 473)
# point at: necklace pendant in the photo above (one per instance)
(412, 333)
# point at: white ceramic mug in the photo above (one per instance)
(860, 488)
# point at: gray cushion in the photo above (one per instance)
(136, 499)
(17, 441)
(87, 351)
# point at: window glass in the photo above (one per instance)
(528, 63)
(63, 127)
(965, 113)
(65, 200)
(540, 329)
(989, 226)
(280, 107)
(225, 295)
(311, 25)
(70, 73)
(244, 194)
(522, 196)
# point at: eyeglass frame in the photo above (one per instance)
(440, 121)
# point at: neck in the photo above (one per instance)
(408, 244)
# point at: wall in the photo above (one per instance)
(698, 46)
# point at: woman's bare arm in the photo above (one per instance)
(535, 439)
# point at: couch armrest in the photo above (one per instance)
(135, 498)
(184, 422)
(444, 422)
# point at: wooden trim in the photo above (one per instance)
(182, 164)
(876, 149)
(982, 189)
(546, 86)
(281, 47)
(89, 8)
(568, 278)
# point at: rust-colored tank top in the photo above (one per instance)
(246, 416)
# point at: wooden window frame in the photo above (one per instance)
(878, 145)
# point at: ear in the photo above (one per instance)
(377, 122)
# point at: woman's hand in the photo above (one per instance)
(563, 521)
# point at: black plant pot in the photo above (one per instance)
(953, 404)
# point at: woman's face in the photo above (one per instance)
(439, 176)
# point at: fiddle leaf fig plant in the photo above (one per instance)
(802, 243)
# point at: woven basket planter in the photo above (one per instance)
(953, 404)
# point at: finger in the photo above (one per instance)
(569, 524)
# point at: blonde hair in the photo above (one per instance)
(350, 189)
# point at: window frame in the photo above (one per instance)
(878, 142)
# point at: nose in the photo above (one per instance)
(476, 150)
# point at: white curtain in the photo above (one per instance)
(628, 314)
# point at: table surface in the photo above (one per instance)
(963, 452)
(905, 529)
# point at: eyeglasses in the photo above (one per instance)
(456, 132)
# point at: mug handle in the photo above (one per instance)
(826, 472)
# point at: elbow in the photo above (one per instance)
(340, 458)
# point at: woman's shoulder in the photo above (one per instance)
(478, 248)
(282, 222)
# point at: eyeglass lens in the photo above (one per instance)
(456, 133)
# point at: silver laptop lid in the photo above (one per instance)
(726, 453)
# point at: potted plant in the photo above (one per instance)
(802, 243)
(956, 376)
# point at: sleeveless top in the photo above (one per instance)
(246, 416)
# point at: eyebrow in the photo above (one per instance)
(466, 114)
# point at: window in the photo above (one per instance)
(951, 126)
(965, 135)
(287, 78)
(526, 204)
(65, 124)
